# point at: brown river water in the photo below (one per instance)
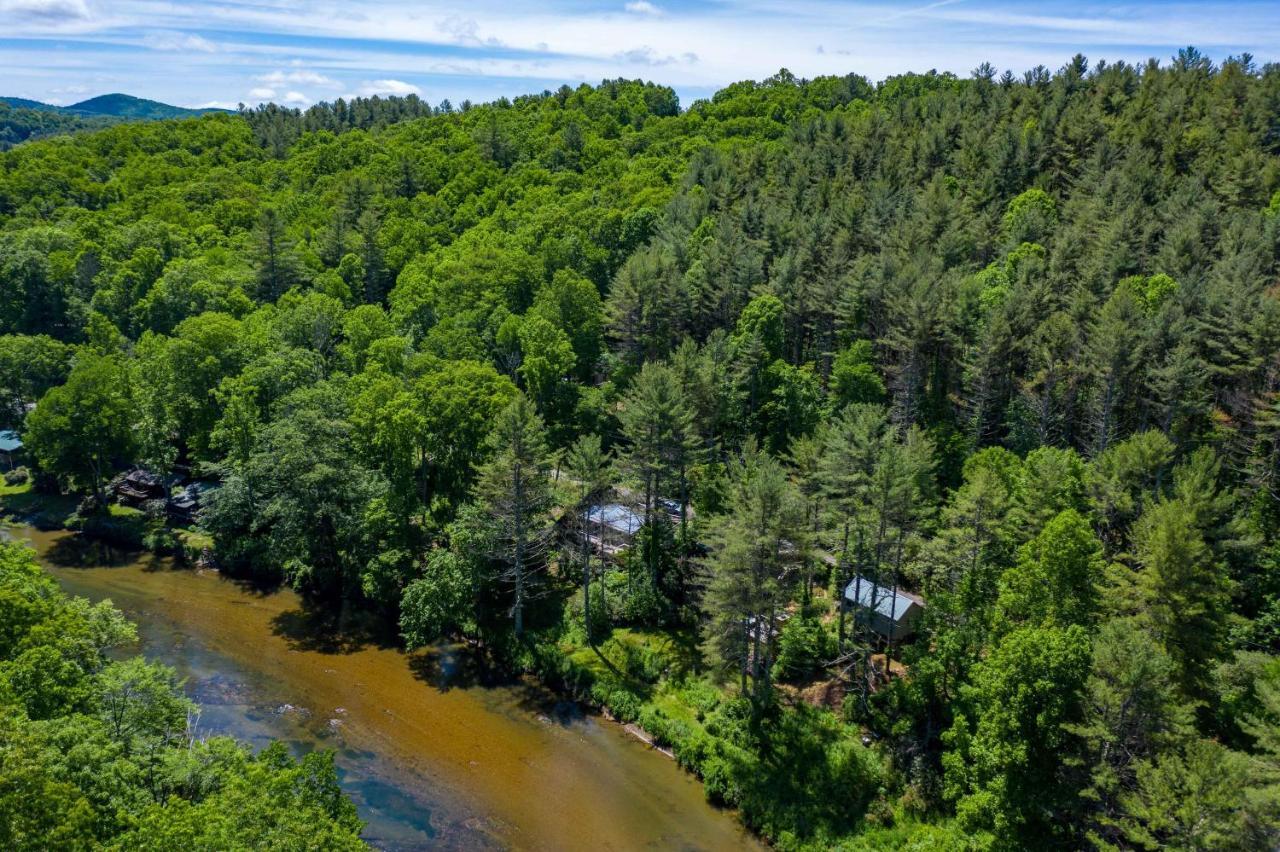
(433, 756)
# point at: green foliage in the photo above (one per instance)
(20, 122)
(514, 493)
(1056, 578)
(1029, 217)
(1133, 712)
(438, 602)
(30, 366)
(804, 647)
(1006, 331)
(99, 754)
(78, 429)
(1182, 590)
(854, 377)
(1005, 769)
(1191, 799)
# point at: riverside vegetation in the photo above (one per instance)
(100, 753)
(1010, 343)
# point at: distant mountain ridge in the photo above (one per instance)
(115, 105)
(27, 103)
(22, 118)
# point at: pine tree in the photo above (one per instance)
(1183, 589)
(663, 444)
(514, 490)
(1132, 712)
(752, 570)
(278, 265)
(591, 466)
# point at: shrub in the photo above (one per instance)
(644, 604)
(160, 539)
(803, 646)
(693, 751)
(702, 696)
(17, 476)
(625, 705)
(719, 784)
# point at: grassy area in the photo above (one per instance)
(46, 511)
(121, 525)
(193, 540)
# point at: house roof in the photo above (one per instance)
(144, 478)
(888, 603)
(616, 517)
(10, 441)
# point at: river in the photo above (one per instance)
(433, 756)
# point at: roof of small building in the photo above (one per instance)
(616, 517)
(141, 476)
(10, 441)
(887, 602)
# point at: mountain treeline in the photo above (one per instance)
(19, 123)
(1008, 344)
(22, 119)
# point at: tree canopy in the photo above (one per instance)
(1006, 347)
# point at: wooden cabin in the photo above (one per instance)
(892, 613)
(140, 486)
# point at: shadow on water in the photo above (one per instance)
(548, 707)
(257, 585)
(450, 665)
(78, 551)
(447, 666)
(314, 627)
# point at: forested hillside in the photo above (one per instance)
(1007, 344)
(22, 119)
(19, 122)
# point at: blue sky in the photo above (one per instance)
(223, 52)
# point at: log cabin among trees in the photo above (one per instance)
(891, 612)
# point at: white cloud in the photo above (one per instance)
(301, 76)
(215, 105)
(48, 10)
(298, 98)
(466, 31)
(175, 42)
(369, 88)
(696, 47)
(648, 56)
(263, 92)
(643, 7)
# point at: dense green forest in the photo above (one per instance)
(19, 123)
(22, 119)
(1007, 343)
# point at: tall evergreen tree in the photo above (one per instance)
(752, 571)
(514, 491)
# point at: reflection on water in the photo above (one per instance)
(434, 750)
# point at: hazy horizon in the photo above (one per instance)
(203, 54)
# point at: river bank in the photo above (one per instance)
(434, 754)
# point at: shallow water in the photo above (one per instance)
(433, 756)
